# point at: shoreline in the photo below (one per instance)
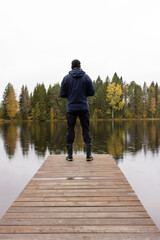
(91, 119)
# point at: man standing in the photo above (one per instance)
(76, 87)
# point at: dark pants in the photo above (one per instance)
(71, 121)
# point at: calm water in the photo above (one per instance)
(135, 146)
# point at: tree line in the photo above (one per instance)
(113, 99)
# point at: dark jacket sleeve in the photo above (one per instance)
(63, 89)
(90, 87)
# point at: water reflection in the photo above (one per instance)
(117, 137)
(9, 135)
(25, 138)
(112, 137)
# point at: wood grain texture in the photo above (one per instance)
(78, 200)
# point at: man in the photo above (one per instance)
(76, 87)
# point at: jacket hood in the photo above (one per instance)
(77, 73)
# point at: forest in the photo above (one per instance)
(114, 98)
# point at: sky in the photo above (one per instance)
(40, 38)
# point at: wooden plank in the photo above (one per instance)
(79, 222)
(76, 204)
(55, 183)
(70, 191)
(75, 174)
(83, 173)
(77, 215)
(78, 229)
(82, 236)
(77, 193)
(78, 200)
(75, 209)
(63, 187)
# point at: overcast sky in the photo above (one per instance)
(40, 38)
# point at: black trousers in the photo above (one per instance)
(71, 121)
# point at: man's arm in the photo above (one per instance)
(90, 87)
(63, 89)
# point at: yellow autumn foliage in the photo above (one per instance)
(114, 93)
(11, 104)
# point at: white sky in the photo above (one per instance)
(40, 38)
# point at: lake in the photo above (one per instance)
(134, 145)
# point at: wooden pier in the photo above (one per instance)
(78, 200)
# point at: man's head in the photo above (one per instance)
(75, 64)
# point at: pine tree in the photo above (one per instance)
(158, 106)
(151, 100)
(1, 111)
(39, 103)
(5, 94)
(24, 102)
(156, 98)
(49, 97)
(152, 108)
(98, 83)
(55, 102)
(131, 100)
(115, 78)
(144, 100)
(125, 98)
(138, 101)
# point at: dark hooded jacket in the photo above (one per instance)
(76, 87)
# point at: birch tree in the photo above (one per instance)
(114, 93)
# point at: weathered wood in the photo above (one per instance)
(76, 204)
(75, 209)
(77, 215)
(82, 236)
(78, 200)
(78, 221)
(77, 183)
(78, 229)
(77, 192)
(63, 187)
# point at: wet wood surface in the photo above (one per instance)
(78, 200)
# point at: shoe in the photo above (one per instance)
(88, 152)
(70, 152)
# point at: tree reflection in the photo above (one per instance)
(56, 133)
(115, 143)
(39, 137)
(10, 136)
(153, 135)
(135, 133)
(117, 137)
(111, 137)
(25, 137)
